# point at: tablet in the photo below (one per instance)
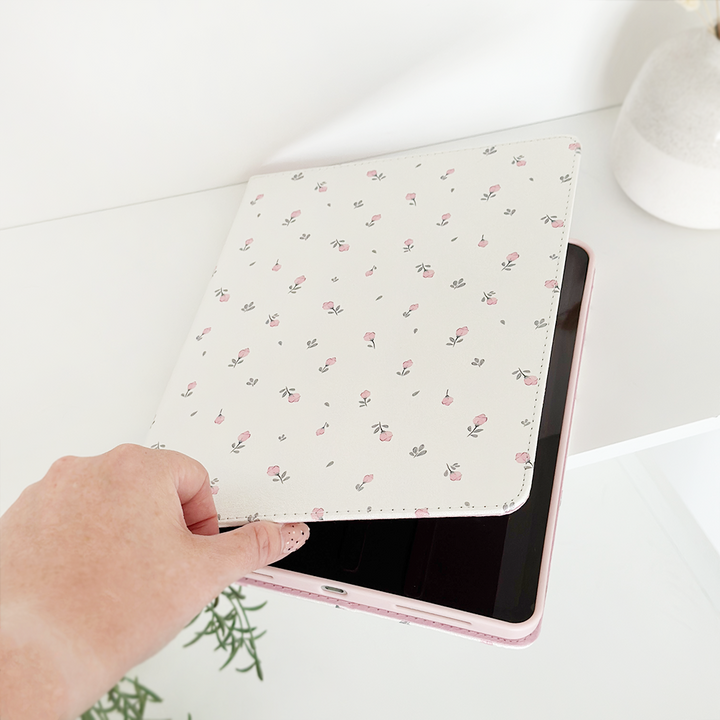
(484, 577)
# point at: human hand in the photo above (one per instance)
(102, 563)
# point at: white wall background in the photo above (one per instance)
(118, 102)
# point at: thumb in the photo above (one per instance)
(254, 546)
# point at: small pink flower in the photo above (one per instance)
(491, 301)
(408, 242)
(225, 297)
(206, 331)
(273, 470)
(317, 514)
(422, 513)
(214, 489)
(329, 305)
(456, 475)
(522, 457)
(331, 361)
(276, 267)
(220, 418)
(274, 323)
(260, 196)
(530, 380)
(368, 336)
(244, 353)
(483, 243)
(557, 223)
(371, 173)
(320, 431)
(494, 188)
(365, 394)
(243, 437)
(551, 284)
(574, 146)
(322, 188)
(447, 401)
(368, 478)
(446, 216)
(368, 273)
(385, 436)
(520, 163)
(461, 332)
(450, 171)
(410, 196)
(192, 386)
(300, 280)
(248, 242)
(293, 397)
(344, 247)
(512, 256)
(480, 419)
(407, 364)
(428, 273)
(375, 218)
(413, 307)
(294, 214)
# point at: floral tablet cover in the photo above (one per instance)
(375, 340)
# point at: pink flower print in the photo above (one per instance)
(410, 197)
(369, 337)
(422, 513)
(203, 333)
(408, 245)
(447, 174)
(405, 368)
(240, 357)
(243, 437)
(459, 335)
(425, 270)
(374, 175)
(411, 309)
(214, 489)
(552, 285)
(447, 400)
(317, 514)
(483, 242)
(321, 187)
(220, 419)
(223, 294)
(369, 272)
(528, 379)
(276, 266)
(553, 220)
(368, 478)
(290, 394)
(247, 245)
(296, 285)
(490, 193)
(452, 472)
(509, 263)
(476, 428)
(444, 220)
(373, 220)
(273, 320)
(332, 308)
(365, 398)
(293, 216)
(518, 161)
(344, 247)
(455, 475)
(575, 147)
(522, 457)
(365, 480)
(328, 363)
(488, 297)
(259, 197)
(341, 245)
(382, 429)
(371, 173)
(321, 431)
(191, 386)
(274, 472)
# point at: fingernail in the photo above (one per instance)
(294, 536)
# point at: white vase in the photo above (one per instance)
(666, 145)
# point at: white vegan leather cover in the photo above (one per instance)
(375, 340)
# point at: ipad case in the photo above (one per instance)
(374, 342)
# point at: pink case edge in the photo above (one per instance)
(487, 630)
